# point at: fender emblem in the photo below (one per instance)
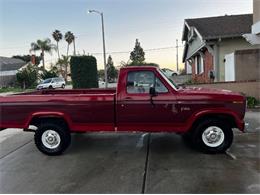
(185, 109)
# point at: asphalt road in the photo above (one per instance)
(130, 163)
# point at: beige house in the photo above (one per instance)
(210, 42)
(254, 36)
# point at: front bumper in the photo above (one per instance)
(246, 127)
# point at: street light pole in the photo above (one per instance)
(104, 47)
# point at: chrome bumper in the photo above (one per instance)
(246, 127)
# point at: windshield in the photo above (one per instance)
(46, 81)
(170, 81)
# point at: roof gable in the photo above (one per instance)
(222, 26)
(7, 64)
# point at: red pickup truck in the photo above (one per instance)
(145, 100)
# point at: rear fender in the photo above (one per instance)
(49, 115)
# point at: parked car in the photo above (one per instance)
(145, 100)
(169, 72)
(52, 83)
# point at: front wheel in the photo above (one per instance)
(52, 139)
(213, 136)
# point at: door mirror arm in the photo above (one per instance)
(152, 93)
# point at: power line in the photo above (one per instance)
(146, 50)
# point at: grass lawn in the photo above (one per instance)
(14, 89)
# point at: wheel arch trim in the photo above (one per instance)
(60, 115)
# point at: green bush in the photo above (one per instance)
(84, 72)
(27, 77)
(251, 102)
(49, 74)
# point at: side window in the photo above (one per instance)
(140, 82)
(160, 87)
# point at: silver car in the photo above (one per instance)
(52, 83)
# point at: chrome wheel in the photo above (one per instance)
(51, 139)
(213, 136)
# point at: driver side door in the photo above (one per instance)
(138, 111)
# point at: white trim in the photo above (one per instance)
(8, 73)
(202, 64)
(252, 38)
(193, 53)
(196, 64)
(183, 30)
(255, 29)
(199, 35)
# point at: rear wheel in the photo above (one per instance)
(52, 139)
(212, 136)
(50, 87)
(62, 86)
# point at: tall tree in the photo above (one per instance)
(111, 70)
(69, 37)
(63, 64)
(43, 46)
(137, 55)
(57, 36)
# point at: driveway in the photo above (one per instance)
(130, 163)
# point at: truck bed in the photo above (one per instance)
(84, 109)
(70, 91)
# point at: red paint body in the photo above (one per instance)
(115, 110)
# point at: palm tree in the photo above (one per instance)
(69, 37)
(63, 64)
(43, 46)
(57, 36)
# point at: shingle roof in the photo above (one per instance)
(222, 26)
(7, 64)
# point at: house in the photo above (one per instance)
(254, 36)
(209, 40)
(8, 70)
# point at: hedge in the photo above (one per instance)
(84, 72)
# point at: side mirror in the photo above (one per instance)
(152, 92)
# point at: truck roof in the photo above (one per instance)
(140, 67)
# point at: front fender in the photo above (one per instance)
(239, 123)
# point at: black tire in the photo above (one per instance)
(174, 74)
(50, 87)
(62, 86)
(63, 133)
(197, 134)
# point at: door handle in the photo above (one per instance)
(127, 98)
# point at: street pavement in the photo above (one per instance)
(130, 163)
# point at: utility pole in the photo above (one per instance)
(177, 61)
(74, 52)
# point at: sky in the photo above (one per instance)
(156, 23)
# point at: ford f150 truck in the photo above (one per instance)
(145, 100)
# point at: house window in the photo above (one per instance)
(199, 65)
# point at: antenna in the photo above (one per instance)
(177, 63)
